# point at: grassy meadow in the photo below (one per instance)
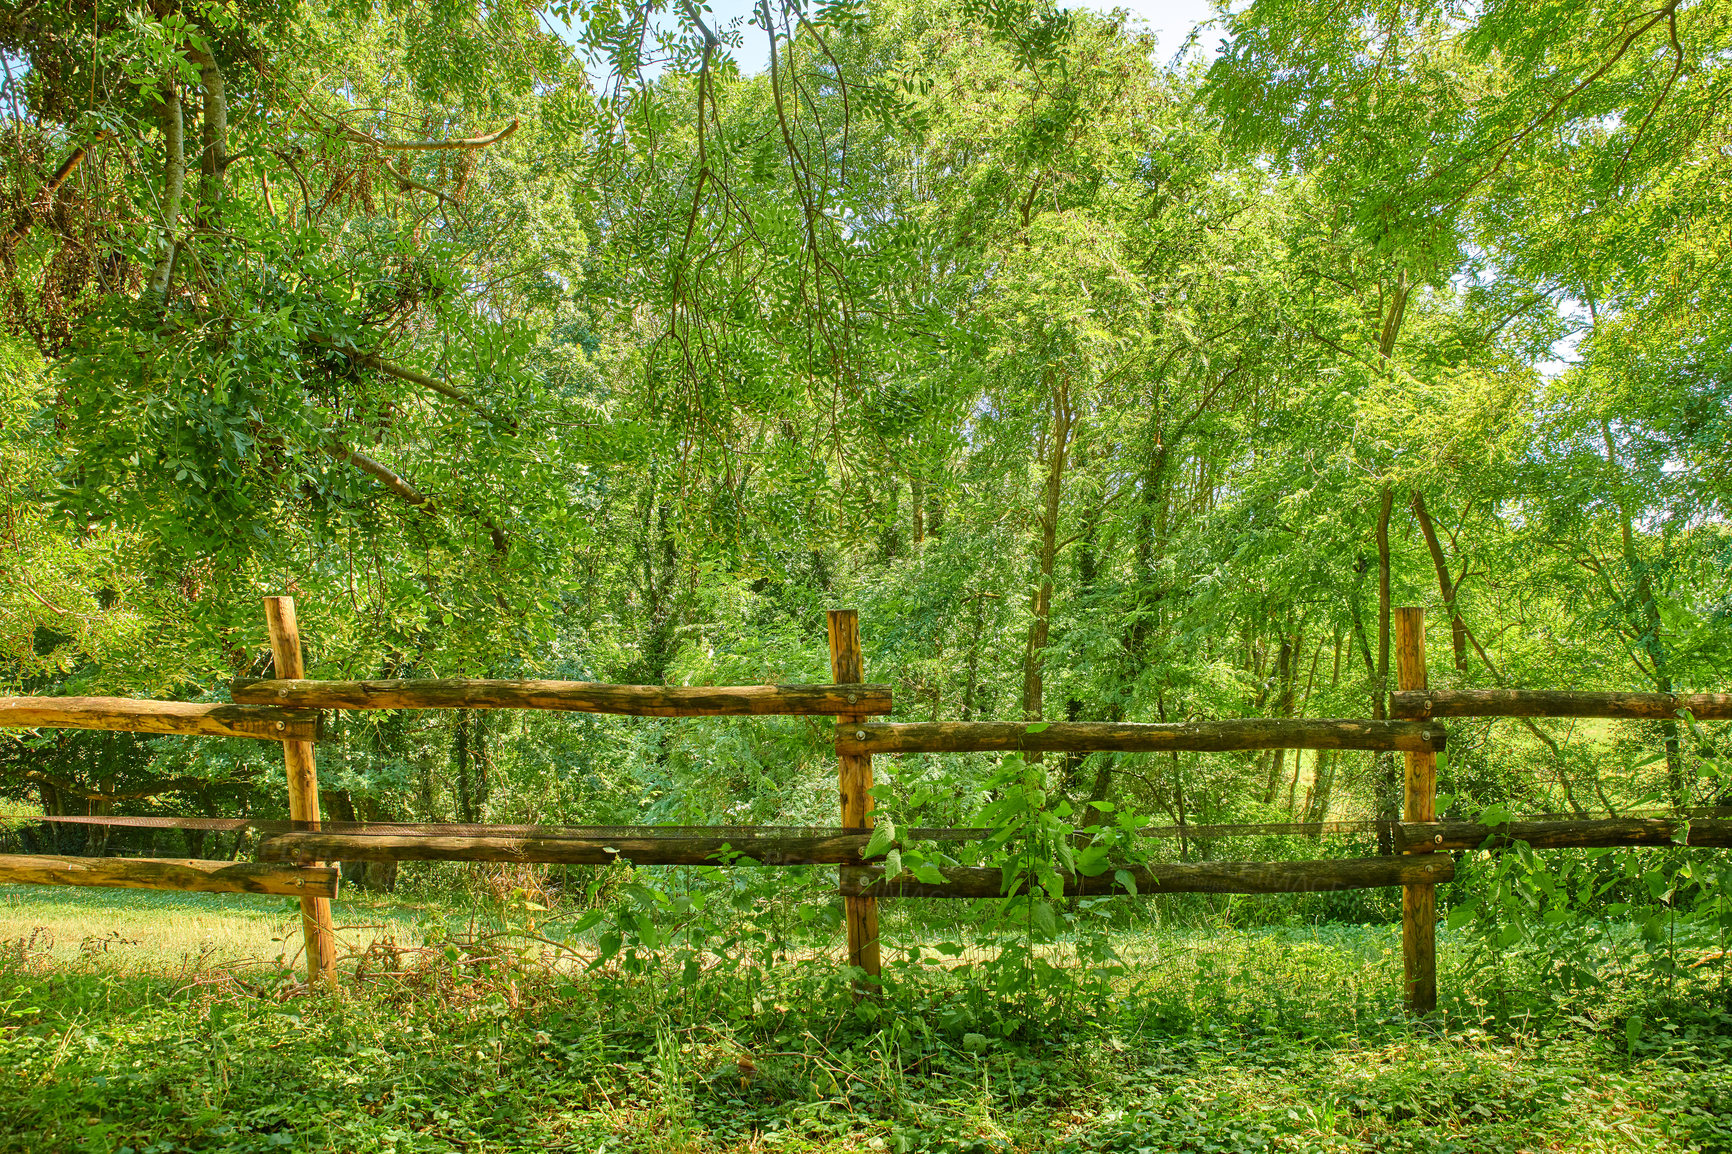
(147, 1022)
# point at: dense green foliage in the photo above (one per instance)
(537, 340)
(1103, 390)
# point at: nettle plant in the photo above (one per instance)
(1036, 949)
(1656, 922)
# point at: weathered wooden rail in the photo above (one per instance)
(716, 847)
(725, 845)
(570, 696)
(1412, 703)
(1603, 833)
(183, 874)
(196, 719)
(1213, 877)
(1139, 737)
(286, 709)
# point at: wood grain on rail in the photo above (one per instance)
(193, 718)
(1558, 703)
(1083, 736)
(571, 696)
(1219, 877)
(183, 874)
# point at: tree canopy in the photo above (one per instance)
(524, 339)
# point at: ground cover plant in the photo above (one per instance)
(501, 1027)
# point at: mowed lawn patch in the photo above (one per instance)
(150, 931)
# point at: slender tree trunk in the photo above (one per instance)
(1387, 771)
(213, 153)
(481, 760)
(1040, 626)
(1283, 676)
(174, 185)
(1380, 704)
(1652, 645)
(460, 758)
(1322, 786)
(1448, 589)
(917, 497)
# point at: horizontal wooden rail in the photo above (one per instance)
(1082, 736)
(1216, 877)
(572, 696)
(1586, 834)
(749, 849)
(1557, 703)
(186, 875)
(181, 717)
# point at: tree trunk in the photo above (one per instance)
(1649, 625)
(1448, 589)
(460, 759)
(1057, 449)
(1322, 787)
(1387, 772)
(174, 184)
(917, 498)
(1285, 673)
(213, 153)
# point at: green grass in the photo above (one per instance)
(151, 931)
(452, 1040)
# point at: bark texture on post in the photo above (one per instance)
(854, 772)
(1418, 902)
(303, 788)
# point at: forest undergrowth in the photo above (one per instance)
(488, 1035)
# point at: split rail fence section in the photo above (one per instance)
(286, 709)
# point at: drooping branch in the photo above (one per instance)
(409, 494)
(470, 142)
(1447, 588)
(443, 388)
(407, 182)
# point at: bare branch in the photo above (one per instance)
(399, 488)
(471, 142)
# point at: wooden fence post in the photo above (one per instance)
(854, 771)
(303, 788)
(1418, 902)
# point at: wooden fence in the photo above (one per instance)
(287, 709)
